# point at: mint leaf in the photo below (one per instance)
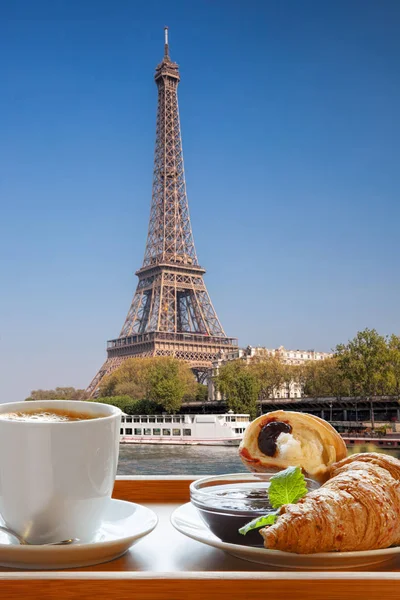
(287, 487)
(259, 522)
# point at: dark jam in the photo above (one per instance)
(269, 434)
(232, 508)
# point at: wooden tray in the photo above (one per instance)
(167, 565)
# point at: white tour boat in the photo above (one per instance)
(208, 430)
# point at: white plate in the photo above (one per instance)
(123, 525)
(186, 519)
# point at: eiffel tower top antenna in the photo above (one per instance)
(166, 47)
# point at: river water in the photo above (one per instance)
(153, 459)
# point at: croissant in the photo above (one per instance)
(282, 438)
(358, 508)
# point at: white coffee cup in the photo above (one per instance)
(56, 478)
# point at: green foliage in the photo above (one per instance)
(121, 402)
(239, 386)
(270, 374)
(144, 407)
(367, 366)
(131, 407)
(363, 363)
(163, 380)
(201, 393)
(323, 378)
(59, 393)
(393, 364)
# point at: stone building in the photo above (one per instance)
(290, 357)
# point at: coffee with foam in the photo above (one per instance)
(42, 415)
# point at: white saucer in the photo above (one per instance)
(123, 525)
(186, 519)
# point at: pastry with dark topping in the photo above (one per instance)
(281, 439)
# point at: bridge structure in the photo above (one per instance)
(344, 412)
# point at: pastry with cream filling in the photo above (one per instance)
(281, 439)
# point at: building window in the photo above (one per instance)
(176, 432)
(138, 431)
(146, 431)
(157, 431)
(128, 431)
(187, 432)
(166, 432)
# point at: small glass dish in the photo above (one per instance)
(227, 502)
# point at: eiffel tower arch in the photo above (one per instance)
(171, 313)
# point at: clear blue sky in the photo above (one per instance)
(290, 121)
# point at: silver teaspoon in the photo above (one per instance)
(23, 541)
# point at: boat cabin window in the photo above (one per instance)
(187, 432)
(128, 420)
(168, 419)
(136, 419)
(166, 432)
(128, 431)
(152, 419)
(143, 419)
(121, 431)
(176, 432)
(138, 432)
(160, 420)
(176, 419)
(146, 431)
(156, 431)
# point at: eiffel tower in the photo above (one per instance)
(171, 312)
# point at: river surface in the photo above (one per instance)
(153, 459)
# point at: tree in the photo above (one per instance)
(59, 393)
(201, 393)
(168, 381)
(239, 386)
(270, 372)
(323, 378)
(128, 380)
(122, 402)
(363, 363)
(163, 380)
(143, 407)
(393, 364)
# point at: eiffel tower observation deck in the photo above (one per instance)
(171, 313)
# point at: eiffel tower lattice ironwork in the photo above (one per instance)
(171, 312)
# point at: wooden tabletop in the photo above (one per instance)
(166, 564)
